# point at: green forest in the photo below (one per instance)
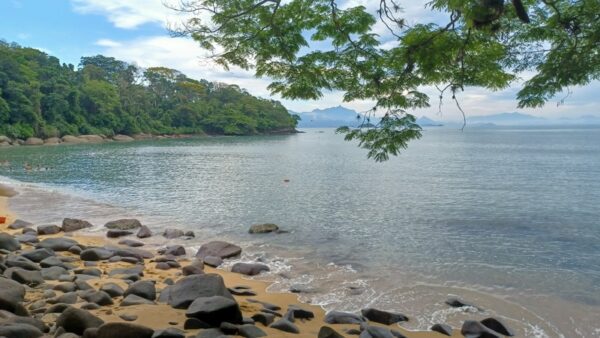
(42, 97)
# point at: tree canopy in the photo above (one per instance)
(310, 46)
(41, 97)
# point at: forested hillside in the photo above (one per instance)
(40, 96)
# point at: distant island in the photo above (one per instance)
(42, 97)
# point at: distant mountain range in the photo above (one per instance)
(341, 116)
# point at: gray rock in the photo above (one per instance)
(265, 319)
(128, 318)
(67, 298)
(19, 224)
(31, 278)
(116, 233)
(37, 255)
(383, 317)
(13, 261)
(169, 333)
(187, 289)
(19, 331)
(135, 300)
(144, 232)
(211, 333)
(194, 324)
(301, 313)
(455, 302)
(9, 242)
(263, 228)
(65, 287)
(218, 249)
(98, 297)
(213, 261)
(68, 335)
(327, 332)
(28, 238)
(53, 273)
(215, 310)
(498, 326)
(338, 317)
(77, 321)
(72, 224)
(379, 332)
(34, 141)
(112, 289)
(124, 224)
(173, 233)
(145, 289)
(96, 254)
(12, 295)
(265, 305)
(48, 229)
(52, 261)
(192, 270)
(473, 328)
(89, 271)
(131, 243)
(57, 244)
(285, 326)
(443, 329)
(250, 331)
(90, 306)
(175, 250)
(249, 269)
(129, 330)
(238, 291)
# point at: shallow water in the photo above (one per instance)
(505, 218)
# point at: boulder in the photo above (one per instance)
(116, 233)
(92, 138)
(173, 233)
(473, 328)
(57, 244)
(34, 141)
(48, 229)
(263, 228)
(175, 250)
(215, 310)
(249, 269)
(143, 288)
(327, 332)
(285, 326)
(129, 330)
(218, 249)
(51, 141)
(498, 326)
(72, 224)
(96, 254)
(122, 138)
(70, 139)
(444, 329)
(187, 289)
(77, 321)
(212, 261)
(9, 242)
(383, 317)
(124, 224)
(144, 232)
(19, 224)
(338, 317)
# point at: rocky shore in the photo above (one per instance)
(58, 280)
(83, 139)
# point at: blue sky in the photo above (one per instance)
(135, 31)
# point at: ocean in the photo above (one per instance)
(506, 218)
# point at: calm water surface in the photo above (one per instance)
(506, 218)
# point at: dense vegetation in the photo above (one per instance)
(41, 97)
(378, 53)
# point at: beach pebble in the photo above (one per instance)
(144, 232)
(285, 326)
(250, 331)
(338, 317)
(218, 249)
(175, 250)
(265, 305)
(77, 321)
(135, 300)
(95, 254)
(19, 224)
(383, 317)
(115, 233)
(214, 310)
(145, 289)
(72, 224)
(28, 238)
(327, 332)
(169, 333)
(443, 329)
(129, 330)
(48, 229)
(301, 313)
(19, 330)
(128, 317)
(249, 269)
(241, 291)
(455, 302)
(9, 242)
(498, 326)
(37, 255)
(131, 243)
(57, 244)
(194, 324)
(213, 261)
(112, 289)
(98, 297)
(124, 224)
(171, 233)
(380, 332)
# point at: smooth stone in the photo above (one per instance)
(13, 261)
(192, 270)
(115, 233)
(75, 249)
(249, 269)
(301, 313)
(263, 228)
(58, 308)
(90, 306)
(38, 255)
(144, 289)
(455, 302)
(128, 317)
(96, 254)
(218, 249)
(241, 292)
(52, 261)
(379, 332)
(53, 273)
(89, 271)
(72, 224)
(473, 328)
(194, 324)
(9, 242)
(57, 244)
(131, 243)
(48, 229)
(498, 326)
(215, 310)
(173, 233)
(327, 332)
(34, 141)
(169, 333)
(285, 326)
(28, 238)
(444, 329)
(144, 232)
(123, 138)
(187, 289)
(112, 289)
(213, 261)
(67, 298)
(211, 333)
(19, 331)
(338, 317)
(98, 297)
(265, 319)
(19, 224)
(27, 277)
(83, 285)
(124, 224)
(65, 287)
(265, 305)
(383, 317)
(77, 321)
(135, 300)
(129, 330)
(175, 250)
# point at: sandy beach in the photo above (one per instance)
(160, 316)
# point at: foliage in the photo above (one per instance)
(41, 97)
(310, 46)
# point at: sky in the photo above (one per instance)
(136, 31)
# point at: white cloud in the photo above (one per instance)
(108, 43)
(126, 14)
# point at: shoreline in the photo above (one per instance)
(158, 316)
